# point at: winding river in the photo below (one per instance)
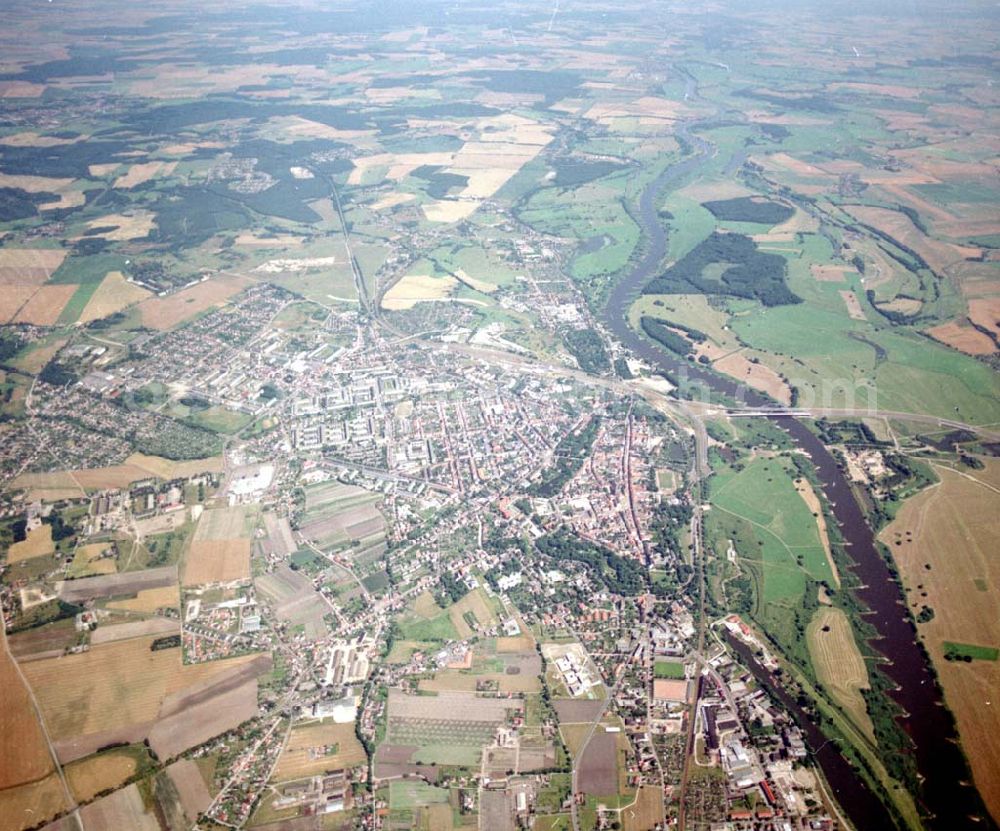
(947, 795)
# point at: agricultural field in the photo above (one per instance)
(646, 812)
(295, 600)
(43, 798)
(38, 543)
(315, 748)
(121, 809)
(838, 664)
(123, 688)
(338, 515)
(219, 552)
(508, 672)
(449, 728)
(52, 486)
(942, 541)
(26, 758)
(104, 771)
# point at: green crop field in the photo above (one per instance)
(967, 651)
(414, 792)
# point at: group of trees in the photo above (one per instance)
(748, 272)
(451, 588)
(749, 209)
(617, 574)
(588, 349)
(665, 335)
(570, 455)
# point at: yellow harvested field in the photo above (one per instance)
(800, 222)
(35, 359)
(938, 255)
(20, 89)
(217, 561)
(944, 541)
(963, 338)
(38, 544)
(445, 210)
(60, 480)
(451, 680)
(43, 184)
(476, 603)
(805, 489)
(34, 184)
(27, 805)
(968, 228)
(45, 305)
(117, 685)
(317, 747)
(985, 312)
(166, 312)
(484, 182)
(187, 147)
(137, 466)
(710, 191)
(425, 606)
(737, 365)
(784, 162)
(112, 295)
(302, 127)
(118, 476)
(387, 95)
(473, 283)
(29, 265)
(892, 90)
(88, 777)
(148, 601)
(122, 809)
(839, 665)
(192, 81)
(936, 213)
(88, 560)
(646, 812)
(398, 165)
(13, 298)
(124, 226)
(391, 201)
(647, 108)
(831, 273)
(220, 550)
(137, 174)
(171, 469)
(517, 643)
(99, 171)
(418, 288)
(277, 241)
(24, 755)
(903, 305)
(853, 304)
(224, 523)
